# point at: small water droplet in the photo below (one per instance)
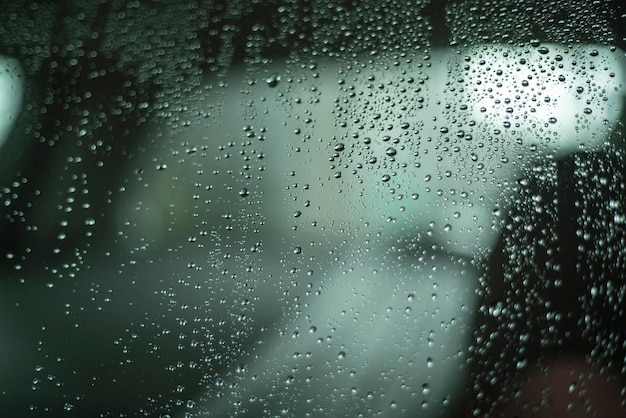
(273, 80)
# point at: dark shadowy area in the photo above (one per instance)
(555, 285)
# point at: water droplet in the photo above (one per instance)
(391, 151)
(244, 192)
(495, 309)
(273, 80)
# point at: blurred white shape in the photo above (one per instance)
(566, 98)
(11, 95)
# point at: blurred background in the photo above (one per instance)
(146, 258)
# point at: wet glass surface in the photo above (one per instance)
(312, 208)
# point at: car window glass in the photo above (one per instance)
(322, 208)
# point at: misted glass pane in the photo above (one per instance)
(331, 208)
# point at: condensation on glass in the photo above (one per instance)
(312, 208)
